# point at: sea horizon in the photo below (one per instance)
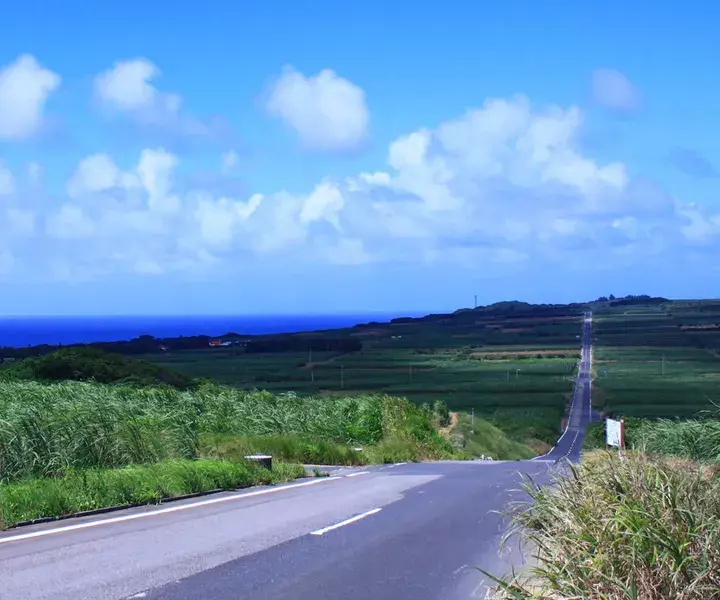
(21, 331)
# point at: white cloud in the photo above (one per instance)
(24, 89)
(7, 181)
(152, 176)
(155, 171)
(127, 85)
(21, 222)
(500, 187)
(127, 88)
(323, 203)
(228, 161)
(327, 111)
(614, 91)
(70, 223)
(96, 173)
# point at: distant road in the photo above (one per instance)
(394, 532)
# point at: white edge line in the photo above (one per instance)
(161, 511)
(572, 404)
(358, 473)
(346, 522)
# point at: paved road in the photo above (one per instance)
(405, 531)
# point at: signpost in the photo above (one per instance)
(615, 433)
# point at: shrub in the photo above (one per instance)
(639, 528)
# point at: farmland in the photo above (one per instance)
(513, 364)
(657, 361)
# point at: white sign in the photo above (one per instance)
(613, 433)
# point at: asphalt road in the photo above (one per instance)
(405, 531)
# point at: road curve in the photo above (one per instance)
(405, 531)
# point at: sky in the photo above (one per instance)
(312, 157)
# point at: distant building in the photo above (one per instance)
(218, 343)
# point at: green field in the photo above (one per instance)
(514, 366)
(657, 361)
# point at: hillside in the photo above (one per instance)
(90, 364)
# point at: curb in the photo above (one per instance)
(109, 509)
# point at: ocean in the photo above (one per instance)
(31, 331)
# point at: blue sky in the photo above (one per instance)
(309, 157)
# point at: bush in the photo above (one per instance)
(640, 528)
(86, 364)
(695, 439)
(82, 490)
(47, 429)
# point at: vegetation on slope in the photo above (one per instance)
(641, 528)
(49, 428)
(90, 489)
(79, 445)
(693, 439)
(482, 438)
(90, 364)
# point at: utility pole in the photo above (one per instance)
(475, 300)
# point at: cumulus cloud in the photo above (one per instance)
(128, 88)
(614, 91)
(327, 111)
(7, 181)
(24, 89)
(228, 162)
(502, 186)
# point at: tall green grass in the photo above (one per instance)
(47, 429)
(694, 439)
(89, 489)
(641, 528)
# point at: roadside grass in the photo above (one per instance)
(642, 528)
(89, 489)
(694, 439)
(46, 429)
(516, 369)
(283, 447)
(486, 439)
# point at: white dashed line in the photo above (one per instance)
(161, 511)
(354, 519)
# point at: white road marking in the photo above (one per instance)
(456, 571)
(400, 464)
(161, 511)
(358, 473)
(346, 522)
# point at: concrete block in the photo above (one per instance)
(264, 460)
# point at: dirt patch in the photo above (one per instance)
(447, 431)
(538, 446)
